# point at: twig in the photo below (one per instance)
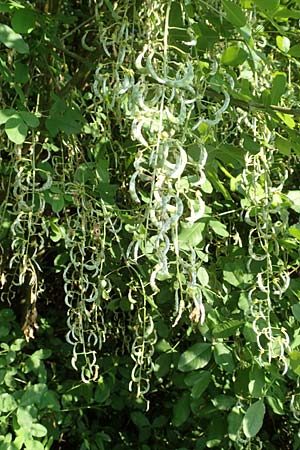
(254, 105)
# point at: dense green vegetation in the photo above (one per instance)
(149, 234)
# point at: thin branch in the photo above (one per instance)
(254, 105)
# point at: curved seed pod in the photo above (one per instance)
(84, 44)
(132, 189)
(175, 170)
(139, 59)
(136, 130)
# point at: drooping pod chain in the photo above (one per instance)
(260, 184)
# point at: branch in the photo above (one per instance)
(253, 105)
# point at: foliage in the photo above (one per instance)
(149, 211)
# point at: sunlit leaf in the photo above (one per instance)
(253, 419)
(278, 87)
(191, 235)
(223, 357)
(294, 196)
(270, 5)
(12, 40)
(295, 361)
(234, 56)
(196, 357)
(227, 328)
(283, 43)
(16, 130)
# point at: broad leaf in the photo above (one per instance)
(23, 20)
(234, 13)
(283, 43)
(201, 384)
(284, 145)
(223, 357)
(294, 230)
(219, 228)
(234, 56)
(227, 328)
(191, 235)
(181, 411)
(278, 87)
(295, 361)
(7, 403)
(235, 420)
(203, 276)
(253, 419)
(270, 5)
(16, 130)
(12, 40)
(294, 197)
(257, 381)
(295, 50)
(196, 357)
(296, 308)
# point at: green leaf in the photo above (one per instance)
(227, 328)
(270, 5)
(283, 43)
(234, 13)
(253, 419)
(295, 50)
(6, 114)
(191, 235)
(181, 411)
(287, 119)
(38, 430)
(223, 357)
(216, 431)
(201, 384)
(24, 418)
(12, 40)
(294, 197)
(257, 381)
(102, 392)
(234, 419)
(32, 444)
(7, 403)
(140, 420)
(235, 274)
(224, 402)
(16, 130)
(295, 361)
(21, 73)
(23, 20)
(296, 307)
(276, 405)
(234, 56)
(278, 87)
(196, 357)
(162, 364)
(203, 276)
(284, 145)
(29, 118)
(294, 230)
(49, 400)
(219, 228)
